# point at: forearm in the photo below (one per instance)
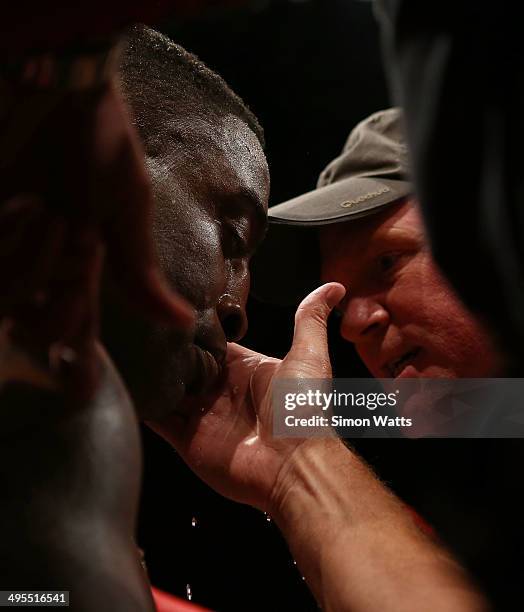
(355, 543)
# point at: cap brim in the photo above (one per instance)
(287, 265)
(351, 197)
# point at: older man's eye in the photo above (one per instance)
(388, 261)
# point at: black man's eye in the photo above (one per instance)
(235, 244)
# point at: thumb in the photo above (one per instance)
(310, 346)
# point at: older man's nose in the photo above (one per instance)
(233, 317)
(362, 317)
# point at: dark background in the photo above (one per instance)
(310, 70)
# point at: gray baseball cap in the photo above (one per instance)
(371, 173)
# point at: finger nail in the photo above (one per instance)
(334, 295)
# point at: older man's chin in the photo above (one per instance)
(428, 398)
(421, 401)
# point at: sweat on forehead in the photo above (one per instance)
(164, 83)
(222, 157)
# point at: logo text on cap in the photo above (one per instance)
(363, 198)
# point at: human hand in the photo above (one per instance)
(226, 439)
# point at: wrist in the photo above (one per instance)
(326, 488)
(308, 476)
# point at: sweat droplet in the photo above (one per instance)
(188, 592)
(234, 390)
(193, 522)
(268, 518)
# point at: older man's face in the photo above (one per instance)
(401, 314)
